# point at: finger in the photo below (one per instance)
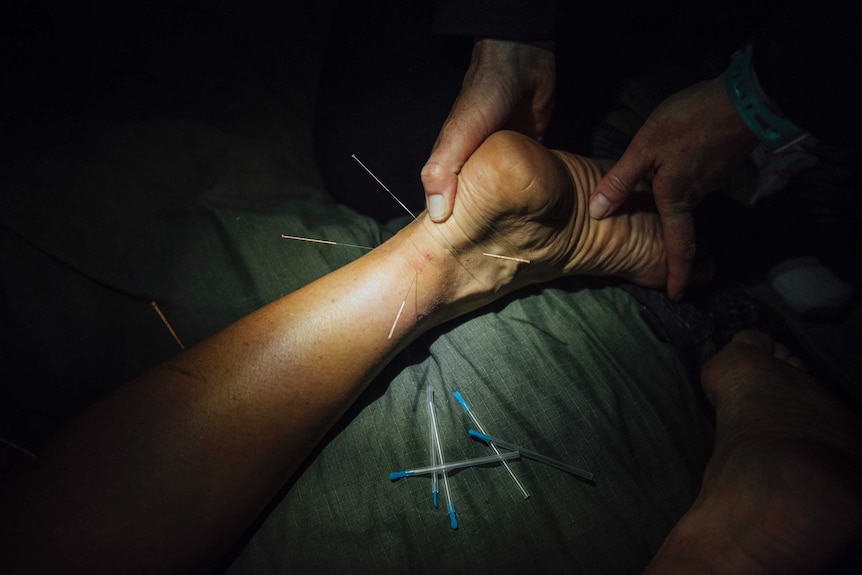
(471, 121)
(458, 139)
(439, 175)
(681, 249)
(440, 183)
(620, 181)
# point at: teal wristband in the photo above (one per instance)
(775, 132)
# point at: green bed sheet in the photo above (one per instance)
(190, 216)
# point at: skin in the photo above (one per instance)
(507, 85)
(782, 491)
(168, 471)
(687, 148)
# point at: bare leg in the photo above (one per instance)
(168, 471)
(783, 490)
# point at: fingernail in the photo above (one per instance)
(599, 206)
(436, 205)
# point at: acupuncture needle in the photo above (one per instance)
(534, 455)
(476, 422)
(452, 520)
(327, 242)
(433, 469)
(17, 448)
(412, 215)
(382, 185)
(435, 489)
(403, 303)
(179, 343)
(167, 324)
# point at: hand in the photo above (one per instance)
(508, 84)
(687, 147)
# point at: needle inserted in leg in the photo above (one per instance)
(327, 242)
(167, 324)
(382, 185)
(403, 303)
(394, 197)
(178, 369)
(17, 448)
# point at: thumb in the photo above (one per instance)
(616, 185)
(463, 132)
(457, 141)
(440, 180)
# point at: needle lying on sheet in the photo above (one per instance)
(452, 520)
(534, 455)
(435, 489)
(499, 455)
(433, 469)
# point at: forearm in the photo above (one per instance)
(171, 468)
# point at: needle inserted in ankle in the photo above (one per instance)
(514, 259)
(412, 215)
(382, 185)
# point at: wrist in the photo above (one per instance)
(774, 130)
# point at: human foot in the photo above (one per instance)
(518, 199)
(782, 492)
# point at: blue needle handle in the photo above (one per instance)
(478, 424)
(452, 521)
(463, 403)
